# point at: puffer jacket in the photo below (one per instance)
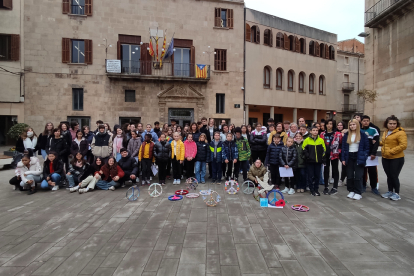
(33, 169)
(314, 150)
(58, 145)
(203, 152)
(190, 149)
(258, 140)
(243, 147)
(219, 155)
(254, 171)
(335, 145)
(57, 168)
(89, 137)
(153, 134)
(80, 172)
(273, 152)
(128, 164)
(393, 145)
(68, 138)
(102, 145)
(162, 151)
(230, 151)
(301, 160)
(363, 149)
(283, 136)
(133, 146)
(82, 147)
(288, 156)
(196, 135)
(180, 150)
(42, 142)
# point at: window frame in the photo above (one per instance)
(255, 34)
(79, 120)
(301, 82)
(219, 63)
(220, 103)
(77, 93)
(126, 97)
(291, 80)
(72, 53)
(346, 60)
(312, 84)
(279, 71)
(228, 23)
(6, 6)
(302, 45)
(268, 37)
(12, 52)
(321, 87)
(266, 81)
(312, 48)
(280, 39)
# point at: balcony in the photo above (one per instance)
(152, 70)
(385, 11)
(348, 86)
(349, 108)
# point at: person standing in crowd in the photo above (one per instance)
(52, 171)
(371, 171)
(211, 129)
(249, 129)
(140, 130)
(108, 129)
(293, 130)
(177, 157)
(279, 130)
(102, 144)
(340, 128)
(288, 158)
(194, 131)
(258, 142)
(130, 167)
(304, 131)
(126, 128)
(333, 145)
(314, 151)
(74, 127)
(244, 154)
(58, 145)
(302, 121)
(134, 144)
(150, 131)
(205, 129)
(88, 135)
(245, 132)
(301, 175)
(157, 129)
(270, 122)
(271, 129)
(223, 122)
(393, 143)
(111, 174)
(162, 153)
(230, 156)
(77, 172)
(27, 141)
(79, 144)
(190, 154)
(99, 122)
(224, 131)
(28, 173)
(286, 126)
(202, 158)
(355, 151)
(67, 136)
(173, 123)
(119, 141)
(146, 158)
(43, 138)
(216, 158)
(323, 126)
(273, 159)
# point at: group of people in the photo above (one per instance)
(84, 160)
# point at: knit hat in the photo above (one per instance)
(237, 130)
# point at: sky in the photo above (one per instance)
(344, 18)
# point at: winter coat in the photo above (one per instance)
(80, 172)
(162, 151)
(393, 145)
(203, 152)
(153, 134)
(258, 140)
(314, 150)
(42, 142)
(243, 148)
(180, 150)
(133, 146)
(254, 171)
(20, 145)
(230, 151)
(128, 164)
(196, 135)
(190, 149)
(205, 130)
(219, 155)
(30, 143)
(273, 153)
(146, 152)
(123, 145)
(72, 133)
(301, 159)
(83, 147)
(373, 137)
(89, 137)
(288, 156)
(57, 167)
(108, 175)
(335, 145)
(57, 145)
(283, 136)
(158, 132)
(102, 145)
(211, 135)
(68, 138)
(363, 149)
(33, 169)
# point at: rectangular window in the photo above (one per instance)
(130, 120)
(346, 60)
(129, 96)
(131, 55)
(6, 4)
(77, 99)
(223, 18)
(82, 120)
(346, 77)
(220, 103)
(78, 51)
(5, 47)
(220, 60)
(78, 7)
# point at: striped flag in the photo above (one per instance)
(170, 50)
(151, 50)
(201, 71)
(163, 48)
(156, 46)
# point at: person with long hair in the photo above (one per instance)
(301, 172)
(52, 171)
(67, 136)
(245, 132)
(355, 151)
(43, 138)
(57, 144)
(194, 130)
(177, 157)
(162, 153)
(74, 127)
(190, 153)
(134, 144)
(119, 141)
(28, 173)
(27, 140)
(279, 130)
(79, 144)
(249, 128)
(78, 171)
(340, 128)
(231, 128)
(393, 143)
(111, 174)
(202, 158)
(258, 143)
(108, 128)
(90, 181)
(126, 129)
(230, 156)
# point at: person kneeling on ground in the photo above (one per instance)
(111, 174)
(28, 173)
(52, 172)
(79, 170)
(130, 167)
(257, 169)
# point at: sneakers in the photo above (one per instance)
(178, 182)
(143, 182)
(55, 188)
(350, 195)
(213, 181)
(284, 191)
(74, 189)
(112, 188)
(203, 182)
(298, 190)
(307, 189)
(317, 193)
(394, 197)
(218, 182)
(340, 183)
(333, 191)
(148, 182)
(302, 190)
(375, 191)
(81, 191)
(277, 187)
(291, 191)
(326, 191)
(387, 194)
(150, 178)
(357, 197)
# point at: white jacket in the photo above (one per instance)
(30, 144)
(35, 169)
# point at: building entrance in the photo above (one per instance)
(181, 115)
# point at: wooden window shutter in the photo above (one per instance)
(286, 39)
(248, 32)
(65, 6)
(88, 7)
(230, 18)
(15, 47)
(271, 38)
(88, 51)
(266, 37)
(65, 50)
(217, 16)
(326, 51)
(192, 62)
(146, 60)
(304, 45)
(8, 4)
(257, 35)
(118, 50)
(316, 49)
(297, 44)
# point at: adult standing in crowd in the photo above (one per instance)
(204, 129)
(74, 127)
(258, 143)
(57, 144)
(150, 131)
(102, 144)
(67, 136)
(371, 171)
(43, 138)
(140, 130)
(157, 129)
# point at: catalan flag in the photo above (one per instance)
(156, 46)
(151, 50)
(163, 48)
(201, 71)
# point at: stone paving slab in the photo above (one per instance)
(101, 233)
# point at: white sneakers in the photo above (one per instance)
(355, 196)
(177, 182)
(74, 189)
(350, 195)
(285, 190)
(55, 188)
(291, 191)
(112, 188)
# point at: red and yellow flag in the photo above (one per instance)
(163, 48)
(156, 46)
(151, 50)
(201, 71)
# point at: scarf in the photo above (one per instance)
(79, 164)
(118, 142)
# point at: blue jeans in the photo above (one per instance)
(54, 177)
(104, 185)
(73, 180)
(200, 171)
(44, 154)
(302, 178)
(321, 180)
(314, 172)
(118, 156)
(216, 167)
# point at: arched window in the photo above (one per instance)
(266, 77)
(332, 52)
(279, 76)
(268, 37)
(255, 34)
(292, 43)
(301, 82)
(322, 50)
(290, 80)
(302, 43)
(311, 84)
(280, 42)
(311, 48)
(248, 31)
(321, 85)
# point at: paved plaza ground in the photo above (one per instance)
(101, 233)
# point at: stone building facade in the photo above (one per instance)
(389, 54)
(66, 77)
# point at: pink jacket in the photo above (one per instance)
(190, 149)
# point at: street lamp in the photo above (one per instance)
(106, 47)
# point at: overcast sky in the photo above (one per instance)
(344, 18)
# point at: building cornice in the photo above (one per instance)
(350, 53)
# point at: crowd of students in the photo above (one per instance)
(84, 160)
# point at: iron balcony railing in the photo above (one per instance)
(349, 107)
(379, 8)
(77, 9)
(348, 86)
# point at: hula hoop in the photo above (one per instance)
(192, 184)
(300, 208)
(212, 199)
(181, 192)
(175, 197)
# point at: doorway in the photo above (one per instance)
(182, 62)
(6, 122)
(131, 55)
(183, 116)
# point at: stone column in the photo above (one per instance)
(295, 115)
(246, 115)
(315, 115)
(272, 114)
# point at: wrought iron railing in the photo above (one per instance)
(348, 86)
(379, 8)
(166, 69)
(77, 9)
(349, 107)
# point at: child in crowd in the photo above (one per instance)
(52, 172)
(190, 154)
(288, 158)
(120, 141)
(301, 171)
(230, 155)
(90, 181)
(202, 158)
(79, 144)
(244, 154)
(257, 169)
(162, 153)
(134, 144)
(271, 130)
(111, 173)
(130, 167)
(78, 171)
(146, 157)
(216, 158)
(177, 157)
(28, 173)
(273, 159)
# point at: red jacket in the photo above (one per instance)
(336, 144)
(190, 149)
(107, 174)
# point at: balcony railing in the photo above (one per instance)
(77, 9)
(348, 86)
(382, 9)
(349, 107)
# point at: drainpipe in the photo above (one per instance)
(244, 69)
